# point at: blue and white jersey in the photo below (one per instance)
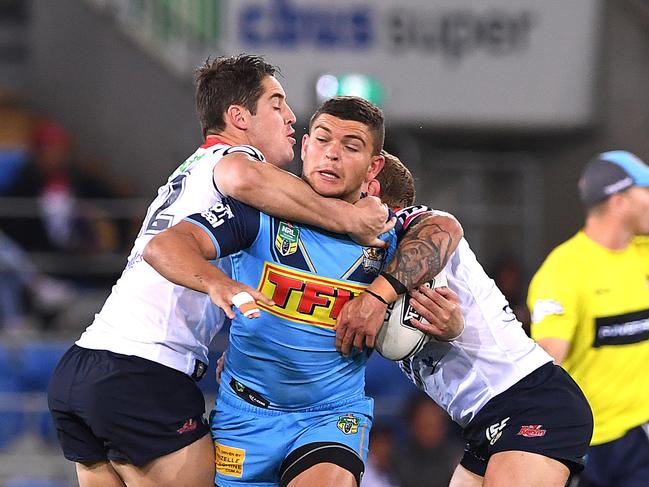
(146, 315)
(492, 354)
(288, 355)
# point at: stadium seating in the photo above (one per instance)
(11, 415)
(33, 482)
(37, 362)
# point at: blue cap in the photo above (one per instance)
(609, 173)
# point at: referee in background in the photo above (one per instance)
(590, 311)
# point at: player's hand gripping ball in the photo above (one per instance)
(398, 339)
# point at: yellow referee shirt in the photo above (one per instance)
(598, 300)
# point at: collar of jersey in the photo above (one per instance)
(211, 140)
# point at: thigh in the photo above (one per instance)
(465, 478)
(191, 466)
(524, 469)
(250, 442)
(324, 475)
(98, 474)
(338, 438)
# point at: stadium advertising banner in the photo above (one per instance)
(464, 63)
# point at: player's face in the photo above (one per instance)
(638, 200)
(337, 157)
(271, 128)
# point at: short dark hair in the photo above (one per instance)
(226, 81)
(358, 110)
(397, 183)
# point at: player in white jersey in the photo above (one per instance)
(124, 398)
(525, 421)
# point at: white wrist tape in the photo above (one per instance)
(245, 302)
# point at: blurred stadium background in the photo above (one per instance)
(494, 104)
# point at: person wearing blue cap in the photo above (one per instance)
(590, 311)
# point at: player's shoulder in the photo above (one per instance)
(410, 214)
(239, 207)
(248, 150)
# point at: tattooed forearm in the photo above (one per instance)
(424, 250)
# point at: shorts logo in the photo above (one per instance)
(287, 238)
(495, 431)
(188, 426)
(348, 424)
(229, 460)
(532, 431)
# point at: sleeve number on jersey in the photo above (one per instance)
(159, 221)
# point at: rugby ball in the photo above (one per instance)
(397, 339)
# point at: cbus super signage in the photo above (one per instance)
(447, 62)
(453, 32)
(285, 24)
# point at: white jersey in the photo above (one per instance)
(492, 354)
(146, 315)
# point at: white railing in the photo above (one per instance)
(96, 263)
(179, 33)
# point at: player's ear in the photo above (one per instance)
(236, 115)
(374, 188)
(305, 142)
(375, 167)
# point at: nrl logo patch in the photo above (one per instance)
(287, 238)
(372, 259)
(348, 424)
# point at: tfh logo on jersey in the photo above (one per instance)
(217, 215)
(288, 236)
(495, 431)
(304, 297)
(532, 431)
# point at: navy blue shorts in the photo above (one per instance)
(108, 406)
(620, 463)
(544, 413)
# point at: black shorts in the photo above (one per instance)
(108, 406)
(623, 462)
(544, 413)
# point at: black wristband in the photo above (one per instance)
(396, 284)
(380, 298)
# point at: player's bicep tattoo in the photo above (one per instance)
(422, 253)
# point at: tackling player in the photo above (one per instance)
(124, 398)
(525, 421)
